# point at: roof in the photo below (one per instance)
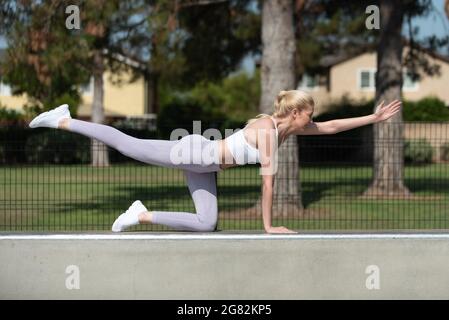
(130, 61)
(332, 60)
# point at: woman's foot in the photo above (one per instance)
(130, 217)
(52, 118)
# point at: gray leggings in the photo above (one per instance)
(200, 175)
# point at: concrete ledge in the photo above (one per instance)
(224, 265)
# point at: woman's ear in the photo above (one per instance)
(294, 113)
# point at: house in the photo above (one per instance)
(127, 101)
(353, 76)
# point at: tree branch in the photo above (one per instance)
(200, 3)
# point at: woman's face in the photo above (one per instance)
(301, 118)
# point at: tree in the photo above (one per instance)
(388, 173)
(278, 73)
(338, 29)
(49, 61)
(388, 179)
(42, 59)
(194, 41)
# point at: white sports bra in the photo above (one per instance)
(241, 150)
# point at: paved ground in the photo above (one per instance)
(224, 265)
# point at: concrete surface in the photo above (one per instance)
(224, 265)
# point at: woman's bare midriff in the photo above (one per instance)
(226, 158)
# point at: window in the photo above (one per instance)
(5, 90)
(88, 89)
(367, 79)
(308, 82)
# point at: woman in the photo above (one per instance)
(257, 142)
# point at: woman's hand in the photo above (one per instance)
(383, 113)
(279, 230)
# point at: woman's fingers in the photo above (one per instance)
(379, 107)
(288, 230)
(396, 104)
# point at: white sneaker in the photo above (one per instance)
(129, 218)
(51, 118)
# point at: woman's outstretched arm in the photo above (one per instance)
(382, 113)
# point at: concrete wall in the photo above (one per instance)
(225, 266)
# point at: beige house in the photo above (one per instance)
(121, 101)
(354, 77)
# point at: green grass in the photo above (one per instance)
(69, 198)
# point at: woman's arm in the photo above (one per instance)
(382, 113)
(267, 200)
(268, 170)
(267, 204)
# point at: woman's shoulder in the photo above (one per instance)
(262, 123)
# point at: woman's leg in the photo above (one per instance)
(151, 151)
(202, 187)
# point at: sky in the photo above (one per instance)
(435, 23)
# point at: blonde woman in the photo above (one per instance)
(256, 143)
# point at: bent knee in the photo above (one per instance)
(207, 225)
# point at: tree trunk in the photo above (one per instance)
(99, 151)
(388, 135)
(278, 73)
(446, 8)
(152, 105)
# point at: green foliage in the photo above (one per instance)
(181, 111)
(346, 108)
(223, 105)
(426, 109)
(220, 35)
(44, 65)
(9, 114)
(49, 147)
(418, 151)
(237, 96)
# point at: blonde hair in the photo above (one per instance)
(286, 101)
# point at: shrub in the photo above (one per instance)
(346, 108)
(182, 111)
(426, 109)
(10, 116)
(418, 151)
(49, 147)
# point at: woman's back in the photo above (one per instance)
(243, 146)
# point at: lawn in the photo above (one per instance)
(81, 198)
